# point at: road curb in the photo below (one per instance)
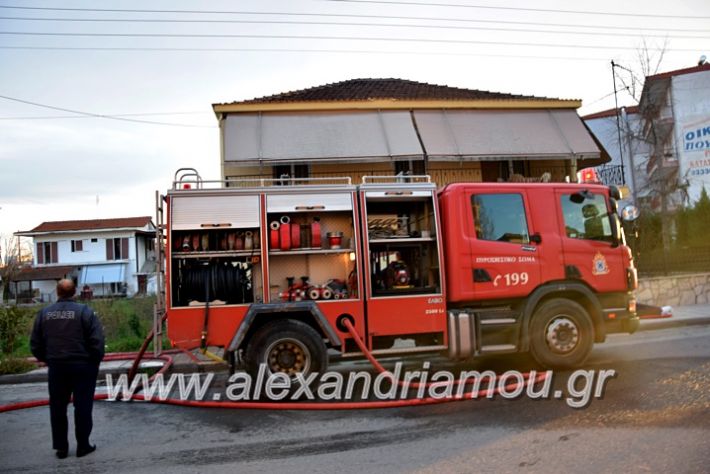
(654, 324)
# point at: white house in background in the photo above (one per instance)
(665, 140)
(629, 161)
(110, 256)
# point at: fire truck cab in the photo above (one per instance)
(270, 269)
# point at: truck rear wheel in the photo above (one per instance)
(561, 334)
(287, 346)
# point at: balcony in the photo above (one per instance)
(611, 175)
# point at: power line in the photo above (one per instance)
(332, 38)
(336, 15)
(102, 116)
(388, 25)
(148, 114)
(523, 9)
(299, 50)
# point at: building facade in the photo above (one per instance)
(665, 140)
(105, 257)
(377, 127)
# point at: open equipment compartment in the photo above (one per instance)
(215, 249)
(404, 258)
(311, 246)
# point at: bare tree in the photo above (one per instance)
(652, 135)
(14, 254)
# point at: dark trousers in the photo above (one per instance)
(67, 379)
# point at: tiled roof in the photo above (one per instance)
(43, 273)
(611, 113)
(373, 89)
(94, 224)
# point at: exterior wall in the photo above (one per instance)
(675, 290)
(443, 173)
(558, 169)
(47, 290)
(232, 170)
(690, 95)
(93, 252)
(635, 151)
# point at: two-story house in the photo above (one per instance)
(105, 256)
(388, 126)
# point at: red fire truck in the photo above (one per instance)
(270, 269)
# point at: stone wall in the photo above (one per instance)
(675, 290)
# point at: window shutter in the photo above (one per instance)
(79, 245)
(40, 253)
(53, 253)
(124, 248)
(109, 249)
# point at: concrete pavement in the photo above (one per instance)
(691, 315)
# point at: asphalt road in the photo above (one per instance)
(654, 417)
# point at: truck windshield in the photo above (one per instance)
(587, 220)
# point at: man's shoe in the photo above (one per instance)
(62, 453)
(81, 452)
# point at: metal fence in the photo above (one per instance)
(683, 260)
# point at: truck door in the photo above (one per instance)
(586, 233)
(506, 251)
(404, 285)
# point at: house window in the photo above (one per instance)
(413, 167)
(77, 245)
(47, 252)
(94, 240)
(290, 171)
(117, 248)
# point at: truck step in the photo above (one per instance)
(487, 322)
(497, 348)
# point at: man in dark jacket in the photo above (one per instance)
(69, 338)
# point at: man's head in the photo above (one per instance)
(66, 289)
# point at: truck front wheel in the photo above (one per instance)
(561, 334)
(287, 346)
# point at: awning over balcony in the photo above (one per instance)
(441, 135)
(481, 135)
(97, 274)
(357, 136)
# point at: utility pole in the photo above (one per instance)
(618, 120)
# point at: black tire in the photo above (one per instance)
(561, 334)
(287, 346)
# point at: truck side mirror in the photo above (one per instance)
(615, 230)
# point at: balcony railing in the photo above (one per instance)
(611, 175)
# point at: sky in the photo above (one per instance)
(128, 62)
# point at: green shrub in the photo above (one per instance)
(15, 365)
(15, 322)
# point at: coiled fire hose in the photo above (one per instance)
(136, 357)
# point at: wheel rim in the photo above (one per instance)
(562, 335)
(288, 356)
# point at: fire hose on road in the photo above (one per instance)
(166, 356)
